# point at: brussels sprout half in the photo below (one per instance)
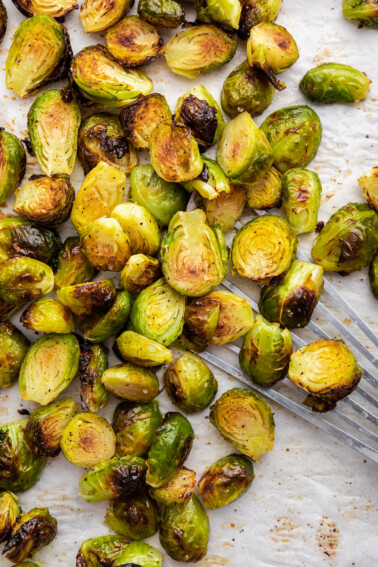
(72, 266)
(130, 382)
(178, 490)
(23, 279)
(54, 8)
(256, 11)
(369, 185)
(225, 12)
(235, 316)
(135, 426)
(142, 351)
(201, 320)
(266, 192)
(140, 227)
(9, 512)
(92, 364)
(48, 315)
(365, 12)
(13, 348)
(166, 13)
(140, 272)
(3, 20)
(373, 276)
(98, 328)
(136, 516)
(12, 164)
(141, 554)
(106, 245)
(101, 550)
(301, 193)
(88, 298)
(211, 182)
(97, 15)
(335, 83)
(226, 209)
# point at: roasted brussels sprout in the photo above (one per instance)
(244, 153)
(92, 364)
(294, 133)
(184, 531)
(327, 370)
(365, 12)
(140, 227)
(45, 425)
(49, 366)
(130, 382)
(225, 481)
(48, 315)
(169, 450)
(266, 192)
(235, 315)
(88, 440)
(301, 193)
(13, 348)
(199, 49)
(373, 276)
(101, 550)
(335, 83)
(161, 198)
(23, 279)
(142, 351)
(211, 182)
(349, 240)
(166, 13)
(54, 8)
(72, 266)
(226, 209)
(88, 298)
(244, 419)
(12, 164)
(39, 54)
(105, 244)
(8, 309)
(263, 249)
(193, 255)
(256, 11)
(369, 185)
(9, 512)
(135, 426)
(98, 328)
(31, 532)
(139, 553)
(97, 15)
(201, 320)
(103, 82)
(178, 490)
(135, 517)
(226, 12)
(3, 20)
(19, 468)
(140, 272)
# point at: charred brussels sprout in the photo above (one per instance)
(53, 8)
(92, 364)
(256, 11)
(369, 185)
(140, 226)
(135, 426)
(24, 279)
(141, 554)
(12, 164)
(48, 315)
(349, 240)
(136, 517)
(301, 193)
(225, 481)
(225, 12)
(193, 255)
(263, 249)
(142, 351)
(88, 298)
(199, 49)
(98, 328)
(140, 272)
(9, 512)
(226, 209)
(373, 276)
(72, 265)
(266, 192)
(13, 348)
(201, 320)
(235, 315)
(3, 20)
(142, 117)
(100, 550)
(244, 419)
(166, 13)
(49, 366)
(97, 15)
(211, 182)
(130, 382)
(106, 245)
(40, 53)
(335, 83)
(365, 12)
(294, 133)
(178, 490)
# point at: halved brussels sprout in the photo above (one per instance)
(97, 15)
(244, 419)
(327, 370)
(301, 193)
(9, 512)
(294, 133)
(135, 426)
(31, 532)
(174, 152)
(193, 255)
(48, 315)
(225, 481)
(102, 550)
(103, 82)
(161, 198)
(135, 517)
(178, 490)
(369, 185)
(45, 425)
(19, 468)
(170, 448)
(190, 383)
(166, 13)
(23, 279)
(140, 272)
(49, 366)
(141, 554)
(142, 117)
(244, 153)
(134, 42)
(201, 320)
(349, 240)
(256, 11)
(142, 351)
(373, 276)
(87, 440)
(140, 227)
(226, 209)
(199, 49)
(235, 315)
(130, 382)
(54, 8)
(102, 190)
(3, 20)
(39, 54)
(211, 182)
(88, 298)
(13, 348)
(12, 164)
(72, 266)
(98, 328)
(335, 83)
(184, 531)
(92, 364)
(224, 12)
(292, 301)
(105, 244)
(266, 192)
(365, 12)
(263, 249)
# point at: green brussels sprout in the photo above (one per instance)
(45, 425)
(135, 517)
(13, 348)
(19, 468)
(135, 426)
(130, 382)
(301, 193)
(244, 419)
(140, 226)
(88, 440)
(226, 12)
(88, 298)
(235, 315)
(23, 279)
(225, 481)
(256, 11)
(349, 240)
(72, 266)
(184, 531)
(266, 192)
(101, 550)
(140, 272)
(161, 198)
(101, 138)
(142, 117)
(142, 351)
(178, 490)
(97, 15)
(170, 448)
(266, 352)
(327, 370)
(48, 315)
(193, 255)
(190, 383)
(188, 53)
(263, 249)
(105, 244)
(12, 164)
(92, 364)
(365, 12)
(39, 54)
(98, 328)
(369, 185)
(226, 209)
(211, 182)
(373, 276)
(9, 512)
(166, 13)
(3, 20)
(54, 8)
(244, 153)
(294, 133)
(201, 320)
(102, 190)
(49, 366)
(174, 152)
(141, 554)
(103, 82)
(134, 42)
(158, 313)
(198, 110)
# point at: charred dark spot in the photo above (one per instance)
(300, 306)
(204, 175)
(36, 176)
(350, 247)
(200, 117)
(319, 226)
(249, 17)
(117, 146)
(30, 536)
(127, 480)
(28, 146)
(67, 95)
(253, 352)
(97, 296)
(303, 194)
(179, 537)
(23, 411)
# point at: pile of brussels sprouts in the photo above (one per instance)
(170, 262)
